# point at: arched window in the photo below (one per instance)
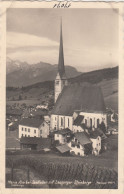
(61, 121)
(86, 122)
(97, 122)
(90, 122)
(68, 122)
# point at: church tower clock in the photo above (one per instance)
(61, 79)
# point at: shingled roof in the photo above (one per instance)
(79, 97)
(82, 137)
(31, 122)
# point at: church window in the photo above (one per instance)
(90, 122)
(61, 121)
(68, 122)
(97, 122)
(86, 122)
(57, 82)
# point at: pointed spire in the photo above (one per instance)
(61, 68)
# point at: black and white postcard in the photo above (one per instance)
(61, 97)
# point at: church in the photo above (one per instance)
(71, 101)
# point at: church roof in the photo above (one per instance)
(78, 97)
(61, 68)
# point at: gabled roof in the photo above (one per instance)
(82, 137)
(78, 120)
(63, 148)
(97, 132)
(78, 97)
(63, 131)
(94, 134)
(31, 122)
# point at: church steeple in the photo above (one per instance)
(61, 79)
(61, 68)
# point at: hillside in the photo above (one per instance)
(22, 74)
(107, 79)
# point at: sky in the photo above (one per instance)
(90, 36)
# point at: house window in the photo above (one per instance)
(22, 135)
(68, 122)
(75, 140)
(43, 125)
(78, 154)
(25, 129)
(34, 130)
(72, 144)
(28, 130)
(99, 144)
(78, 146)
(40, 131)
(25, 135)
(28, 135)
(22, 128)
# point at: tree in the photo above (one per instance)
(102, 127)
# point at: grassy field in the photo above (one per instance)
(108, 159)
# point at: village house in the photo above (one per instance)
(63, 149)
(62, 136)
(96, 142)
(87, 99)
(80, 144)
(35, 143)
(32, 127)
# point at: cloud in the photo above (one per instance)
(16, 40)
(33, 49)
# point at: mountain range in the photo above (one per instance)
(22, 74)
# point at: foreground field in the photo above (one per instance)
(23, 165)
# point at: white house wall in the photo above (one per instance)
(96, 143)
(44, 130)
(94, 117)
(77, 151)
(25, 131)
(60, 138)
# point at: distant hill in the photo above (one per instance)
(96, 76)
(107, 79)
(22, 74)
